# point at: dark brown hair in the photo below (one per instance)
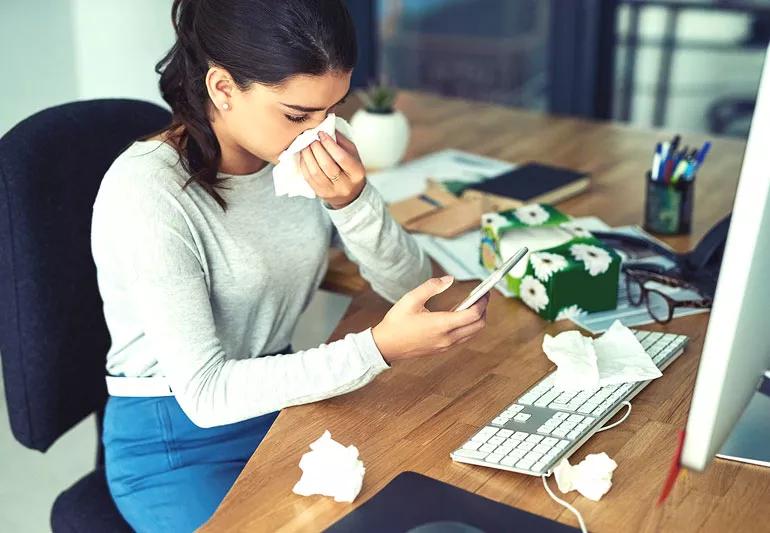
(262, 41)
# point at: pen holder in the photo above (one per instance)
(668, 206)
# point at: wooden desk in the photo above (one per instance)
(412, 416)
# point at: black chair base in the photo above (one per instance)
(87, 507)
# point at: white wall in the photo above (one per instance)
(57, 51)
(117, 44)
(38, 69)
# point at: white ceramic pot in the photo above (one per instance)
(381, 138)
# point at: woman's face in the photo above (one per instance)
(263, 120)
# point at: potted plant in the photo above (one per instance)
(381, 132)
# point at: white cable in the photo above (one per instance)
(565, 504)
(616, 424)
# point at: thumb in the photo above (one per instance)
(417, 297)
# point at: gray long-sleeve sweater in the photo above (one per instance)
(194, 295)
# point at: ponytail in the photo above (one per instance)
(183, 86)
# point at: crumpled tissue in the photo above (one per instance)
(330, 469)
(584, 363)
(287, 175)
(591, 477)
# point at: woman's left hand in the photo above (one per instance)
(333, 170)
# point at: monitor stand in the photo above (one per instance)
(749, 441)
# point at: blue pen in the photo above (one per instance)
(700, 157)
(702, 153)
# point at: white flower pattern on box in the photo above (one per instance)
(545, 264)
(596, 260)
(532, 215)
(533, 293)
(571, 311)
(495, 218)
(576, 229)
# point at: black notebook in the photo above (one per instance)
(413, 503)
(535, 183)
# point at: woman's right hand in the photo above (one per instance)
(410, 330)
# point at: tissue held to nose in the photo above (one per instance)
(287, 175)
(331, 469)
(591, 477)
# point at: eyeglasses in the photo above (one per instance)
(660, 305)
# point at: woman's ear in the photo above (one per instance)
(220, 86)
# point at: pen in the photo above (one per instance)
(427, 199)
(680, 168)
(656, 161)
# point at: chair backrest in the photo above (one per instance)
(53, 339)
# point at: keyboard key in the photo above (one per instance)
(559, 432)
(525, 463)
(515, 408)
(480, 438)
(574, 433)
(556, 405)
(521, 417)
(471, 445)
(545, 429)
(561, 444)
(550, 441)
(576, 418)
(539, 466)
(500, 420)
(487, 448)
(519, 435)
(509, 461)
(470, 454)
(488, 430)
(496, 440)
(567, 424)
(547, 398)
(505, 433)
(494, 458)
(542, 448)
(516, 454)
(560, 416)
(505, 448)
(526, 446)
(534, 438)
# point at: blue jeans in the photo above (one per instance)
(164, 472)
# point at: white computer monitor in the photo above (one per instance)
(736, 350)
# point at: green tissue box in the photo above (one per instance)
(567, 272)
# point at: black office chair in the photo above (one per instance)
(53, 339)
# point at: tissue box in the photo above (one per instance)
(567, 272)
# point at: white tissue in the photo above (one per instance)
(330, 469)
(591, 477)
(584, 363)
(287, 176)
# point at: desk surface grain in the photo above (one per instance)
(413, 415)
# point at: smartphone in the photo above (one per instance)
(489, 283)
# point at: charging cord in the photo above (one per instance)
(568, 506)
(616, 424)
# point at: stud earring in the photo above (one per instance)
(225, 106)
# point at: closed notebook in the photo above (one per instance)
(535, 183)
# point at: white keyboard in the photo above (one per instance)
(546, 425)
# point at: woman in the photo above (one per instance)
(204, 271)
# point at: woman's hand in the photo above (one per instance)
(333, 170)
(410, 330)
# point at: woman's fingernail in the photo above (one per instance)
(447, 279)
